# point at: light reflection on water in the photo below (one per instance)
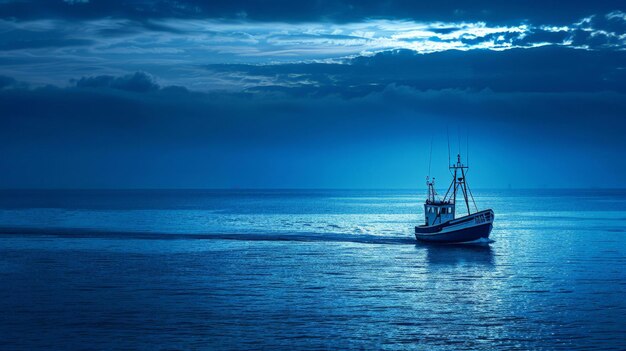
(482, 255)
(240, 271)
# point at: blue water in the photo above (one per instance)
(290, 270)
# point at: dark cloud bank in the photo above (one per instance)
(544, 69)
(356, 125)
(297, 11)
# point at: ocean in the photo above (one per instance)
(307, 269)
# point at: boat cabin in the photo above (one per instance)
(438, 212)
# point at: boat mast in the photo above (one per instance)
(458, 182)
(463, 185)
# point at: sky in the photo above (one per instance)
(311, 94)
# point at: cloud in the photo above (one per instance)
(116, 101)
(6, 82)
(281, 91)
(600, 32)
(338, 11)
(48, 51)
(310, 40)
(45, 34)
(137, 82)
(541, 69)
(106, 132)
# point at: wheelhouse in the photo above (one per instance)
(438, 212)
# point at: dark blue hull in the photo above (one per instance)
(472, 230)
(459, 236)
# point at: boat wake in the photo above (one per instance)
(481, 241)
(83, 233)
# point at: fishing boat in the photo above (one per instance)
(441, 223)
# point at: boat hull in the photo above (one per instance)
(460, 230)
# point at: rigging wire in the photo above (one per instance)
(448, 134)
(467, 162)
(472, 196)
(467, 152)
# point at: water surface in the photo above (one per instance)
(307, 270)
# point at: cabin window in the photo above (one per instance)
(443, 210)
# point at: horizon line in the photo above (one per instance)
(304, 188)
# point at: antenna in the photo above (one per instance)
(430, 158)
(458, 134)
